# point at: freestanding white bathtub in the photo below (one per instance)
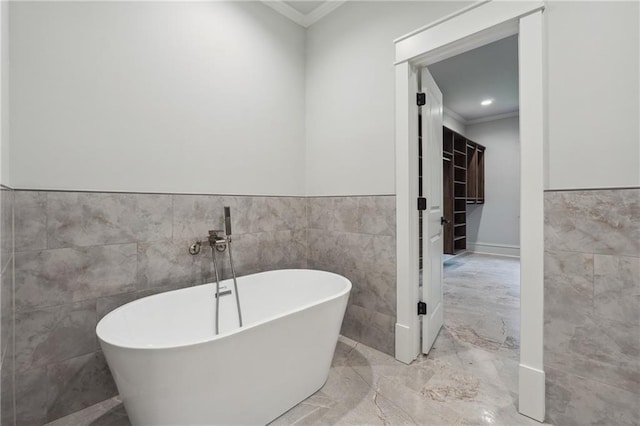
(171, 369)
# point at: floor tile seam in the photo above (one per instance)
(370, 385)
(310, 404)
(306, 416)
(87, 409)
(378, 391)
(380, 414)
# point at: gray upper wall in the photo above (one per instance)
(150, 97)
(497, 221)
(189, 97)
(592, 62)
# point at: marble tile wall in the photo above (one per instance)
(592, 306)
(7, 366)
(356, 237)
(79, 255)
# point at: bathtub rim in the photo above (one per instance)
(268, 319)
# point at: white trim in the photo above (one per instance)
(321, 11)
(532, 135)
(408, 340)
(452, 114)
(478, 26)
(494, 117)
(531, 389)
(494, 249)
(468, 29)
(441, 20)
(300, 18)
(285, 10)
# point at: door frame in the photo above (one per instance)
(471, 27)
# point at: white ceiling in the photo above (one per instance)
(304, 12)
(488, 72)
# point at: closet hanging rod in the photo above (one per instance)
(446, 159)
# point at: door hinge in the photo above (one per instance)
(422, 308)
(421, 98)
(422, 203)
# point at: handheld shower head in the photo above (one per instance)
(227, 220)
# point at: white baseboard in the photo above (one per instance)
(496, 249)
(405, 351)
(531, 392)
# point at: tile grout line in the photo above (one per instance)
(13, 306)
(565, 372)
(6, 265)
(550, 250)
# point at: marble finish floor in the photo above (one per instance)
(469, 377)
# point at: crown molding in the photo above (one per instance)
(451, 113)
(299, 18)
(287, 11)
(494, 117)
(321, 11)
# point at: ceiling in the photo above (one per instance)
(304, 12)
(488, 72)
(304, 7)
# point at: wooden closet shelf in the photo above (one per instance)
(463, 184)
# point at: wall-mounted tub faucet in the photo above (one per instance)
(220, 242)
(217, 240)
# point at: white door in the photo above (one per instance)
(431, 226)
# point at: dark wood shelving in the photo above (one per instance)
(463, 183)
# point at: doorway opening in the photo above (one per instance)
(472, 27)
(480, 161)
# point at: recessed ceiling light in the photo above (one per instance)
(486, 102)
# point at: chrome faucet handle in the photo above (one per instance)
(218, 239)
